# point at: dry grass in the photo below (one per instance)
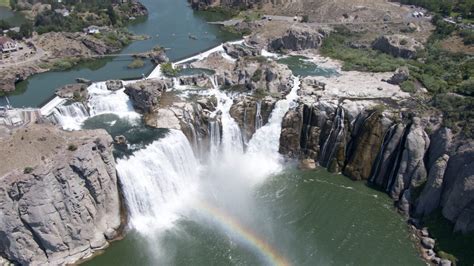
(455, 44)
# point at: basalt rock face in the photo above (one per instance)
(146, 94)
(251, 113)
(258, 75)
(397, 45)
(298, 38)
(64, 208)
(421, 173)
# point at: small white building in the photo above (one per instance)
(92, 30)
(64, 12)
(7, 45)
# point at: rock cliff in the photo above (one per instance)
(391, 151)
(65, 204)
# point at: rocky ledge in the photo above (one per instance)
(60, 202)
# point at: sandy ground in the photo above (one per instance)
(27, 147)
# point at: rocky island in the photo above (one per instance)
(345, 94)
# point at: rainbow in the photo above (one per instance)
(246, 235)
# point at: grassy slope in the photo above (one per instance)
(5, 3)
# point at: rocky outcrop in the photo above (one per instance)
(421, 173)
(298, 38)
(259, 76)
(239, 50)
(457, 200)
(113, 85)
(146, 94)
(401, 74)
(431, 196)
(74, 91)
(251, 113)
(397, 45)
(66, 207)
(195, 80)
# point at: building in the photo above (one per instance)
(64, 12)
(92, 30)
(7, 45)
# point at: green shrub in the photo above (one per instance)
(408, 86)
(136, 63)
(403, 42)
(257, 75)
(72, 147)
(28, 170)
(168, 70)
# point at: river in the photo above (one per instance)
(230, 207)
(169, 24)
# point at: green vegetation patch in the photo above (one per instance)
(168, 70)
(447, 76)
(136, 63)
(5, 3)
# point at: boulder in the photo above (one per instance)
(146, 94)
(401, 75)
(307, 164)
(397, 45)
(113, 85)
(427, 242)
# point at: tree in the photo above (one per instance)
(4, 25)
(112, 15)
(26, 30)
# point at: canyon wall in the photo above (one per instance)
(65, 205)
(391, 151)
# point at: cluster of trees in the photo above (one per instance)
(464, 7)
(26, 30)
(51, 21)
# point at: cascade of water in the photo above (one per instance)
(258, 116)
(71, 116)
(103, 101)
(215, 139)
(267, 138)
(380, 155)
(335, 135)
(157, 179)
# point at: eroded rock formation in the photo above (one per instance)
(66, 206)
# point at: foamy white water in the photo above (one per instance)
(70, 117)
(157, 181)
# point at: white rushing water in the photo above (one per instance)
(157, 180)
(71, 116)
(101, 101)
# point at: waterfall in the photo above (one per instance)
(334, 137)
(70, 117)
(267, 138)
(232, 142)
(157, 180)
(215, 139)
(258, 116)
(103, 101)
